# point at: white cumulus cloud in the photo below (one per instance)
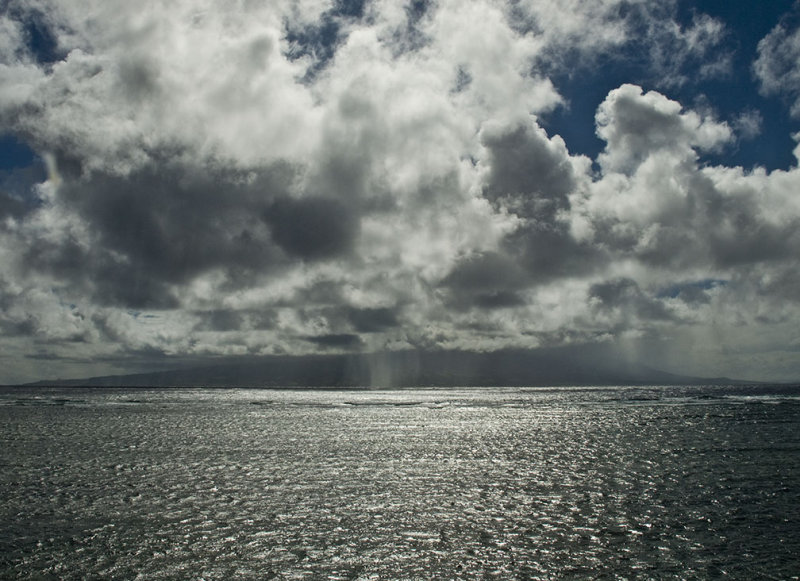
(306, 176)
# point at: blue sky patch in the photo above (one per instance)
(14, 153)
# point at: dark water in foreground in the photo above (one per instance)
(645, 483)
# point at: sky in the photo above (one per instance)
(183, 182)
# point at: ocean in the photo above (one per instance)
(557, 483)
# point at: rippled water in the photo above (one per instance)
(652, 483)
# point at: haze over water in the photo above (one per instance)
(690, 482)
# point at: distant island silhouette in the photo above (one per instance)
(395, 369)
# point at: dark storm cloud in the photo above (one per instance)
(220, 321)
(175, 225)
(312, 228)
(373, 320)
(157, 228)
(24, 328)
(779, 288)
(739, 233)
(624, 294)
(44, 356)
(488, 280)
(263, 319)
(502, 299)
(225, 320)
(532, 176)
(753, 241)
(319, 292)
(37, 327)
(529, 175)
(337, 341)
(668, 245)
(116, 284)
(138, 78)
(63, 258)
(486, 271)
(550, 251)
(11, 206)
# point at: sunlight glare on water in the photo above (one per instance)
(416, 484)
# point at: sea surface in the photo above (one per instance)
(566, 483)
